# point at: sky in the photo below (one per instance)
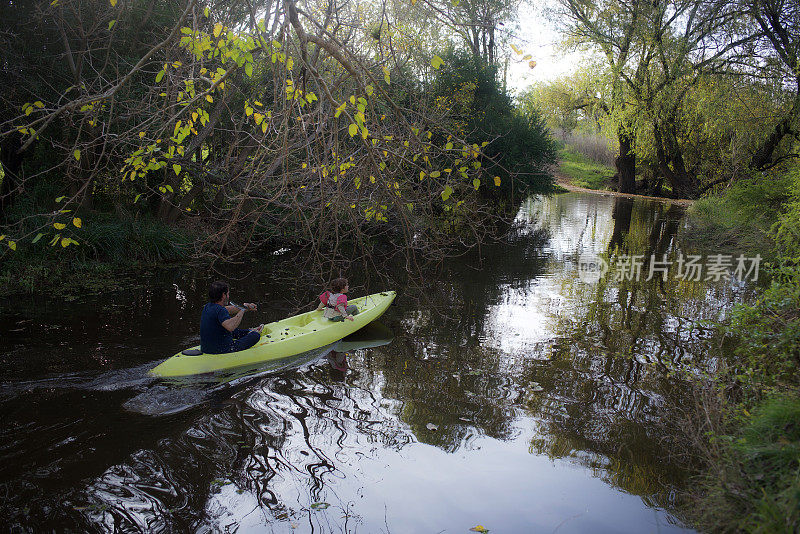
(538, 37)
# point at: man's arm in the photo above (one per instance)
(233, 323)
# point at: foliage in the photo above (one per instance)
(755, 486)
(247, 118)
(521, 145)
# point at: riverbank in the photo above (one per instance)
(576, 172)
(743, 425)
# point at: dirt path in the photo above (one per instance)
(565, 182)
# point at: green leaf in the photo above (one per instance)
(169, 188)
(59, 199)
(352, 129)
(476, 183)
(436, 62)
(369, 90)
(248, 69)
(160, 75)
(435, 174)
(111, 24)
(12, 245)
(77, 154)
(176, 168)
(38, 104)
(135, 200)
(206, 12)
(319, 506)
(446, 193)
(37, 238)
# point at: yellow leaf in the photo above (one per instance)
(421, 175)
(480, 528)
(448, 170)
(59, 226)
(77, 222)
(476, 183)
(436, 62)
(352, 129)
(448, 146)
(531, 64)
(435, 174)
(77, 154)
(176, 168)
(258, 117)
(217, 29)
(497, 181)
(113, 3)
(210, 98)
(12, 245)
(141, 134)
(65, 242)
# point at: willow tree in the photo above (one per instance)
(656, 52)
(269, 121)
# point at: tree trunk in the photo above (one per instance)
(763, 156)
(672, 167)
(626, 165)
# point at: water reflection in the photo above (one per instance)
(508, 393)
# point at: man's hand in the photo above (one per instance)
(250, 306)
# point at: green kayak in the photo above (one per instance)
(280, 339)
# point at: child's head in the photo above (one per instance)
(338, 285)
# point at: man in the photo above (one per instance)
(219, 331)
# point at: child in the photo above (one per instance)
(334, 302)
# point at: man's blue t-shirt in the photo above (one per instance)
(214, 338)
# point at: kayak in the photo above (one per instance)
(295, 335)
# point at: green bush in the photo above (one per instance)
(520, 144)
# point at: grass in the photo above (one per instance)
(743, 216)
(754, 484)
(109, 244)
(582, 171)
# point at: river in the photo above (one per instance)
(513, 391)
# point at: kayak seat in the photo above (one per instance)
(192, 352)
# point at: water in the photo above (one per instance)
(504, 393)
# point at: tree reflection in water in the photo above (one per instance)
(511, 348)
